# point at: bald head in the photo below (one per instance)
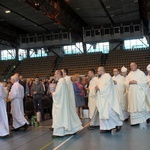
(101, 70)
(133, 66)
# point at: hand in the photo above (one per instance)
(34, 92)
(115, 82)
(96, 88)
(133, 82)
(87, 89)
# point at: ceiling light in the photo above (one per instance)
(107, 7)
(135, 1)
(7, 11)
(78, 8)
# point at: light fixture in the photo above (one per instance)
(135, 1)
(7, 11)
(78, 8)
(107, 7)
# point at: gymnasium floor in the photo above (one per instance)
(39, 138)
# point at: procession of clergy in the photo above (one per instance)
(112, 100)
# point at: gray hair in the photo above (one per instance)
(15, 78)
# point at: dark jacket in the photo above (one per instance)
(39, 89)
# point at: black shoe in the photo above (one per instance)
(148, 120)
(55, 136)
(91, 127)
(3, 137)
(51, 128)
(118, 128)
(25, 126)
(15, 130)
(105, 131)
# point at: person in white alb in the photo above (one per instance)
(138, 104)
(119, 82)
(93, 112)
(16, 96)
(4, 126)
(124, 71)
(107, 102)
(63, 121)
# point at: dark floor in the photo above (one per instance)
(39, 138)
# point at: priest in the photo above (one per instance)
(137, 85)
(16, 97)
(75, 121)
(4, 127)
(92, 92)
(107, 102)
(119, 82)
(63, 121)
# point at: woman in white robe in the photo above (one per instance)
(4, 126)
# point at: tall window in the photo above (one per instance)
(8, 54)
(22, 54)
(37, 53)
(136, 43)
(73, 49)
(98, 47)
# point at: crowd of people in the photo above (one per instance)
(111, 100)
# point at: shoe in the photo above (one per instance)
(118, 128)
(51, 128)
(148, 120)
(91, 127)
(25, 126)
(55, 136)
(15, 130)
(105, 131)
(3, 137)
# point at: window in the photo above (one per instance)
(136, 43)
(98, 47)
(73, 49)
(37, 53)
(22, 54)
(8, 54)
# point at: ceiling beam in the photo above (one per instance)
(60, 13)
(143, 8)
(106, 11)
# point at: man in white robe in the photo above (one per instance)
(138, 105)
(16, 97)
(4, 126)
(63, 121)
(75, 121)
(107, 102)
(119, 82)
(92, 92)
(148, 79)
